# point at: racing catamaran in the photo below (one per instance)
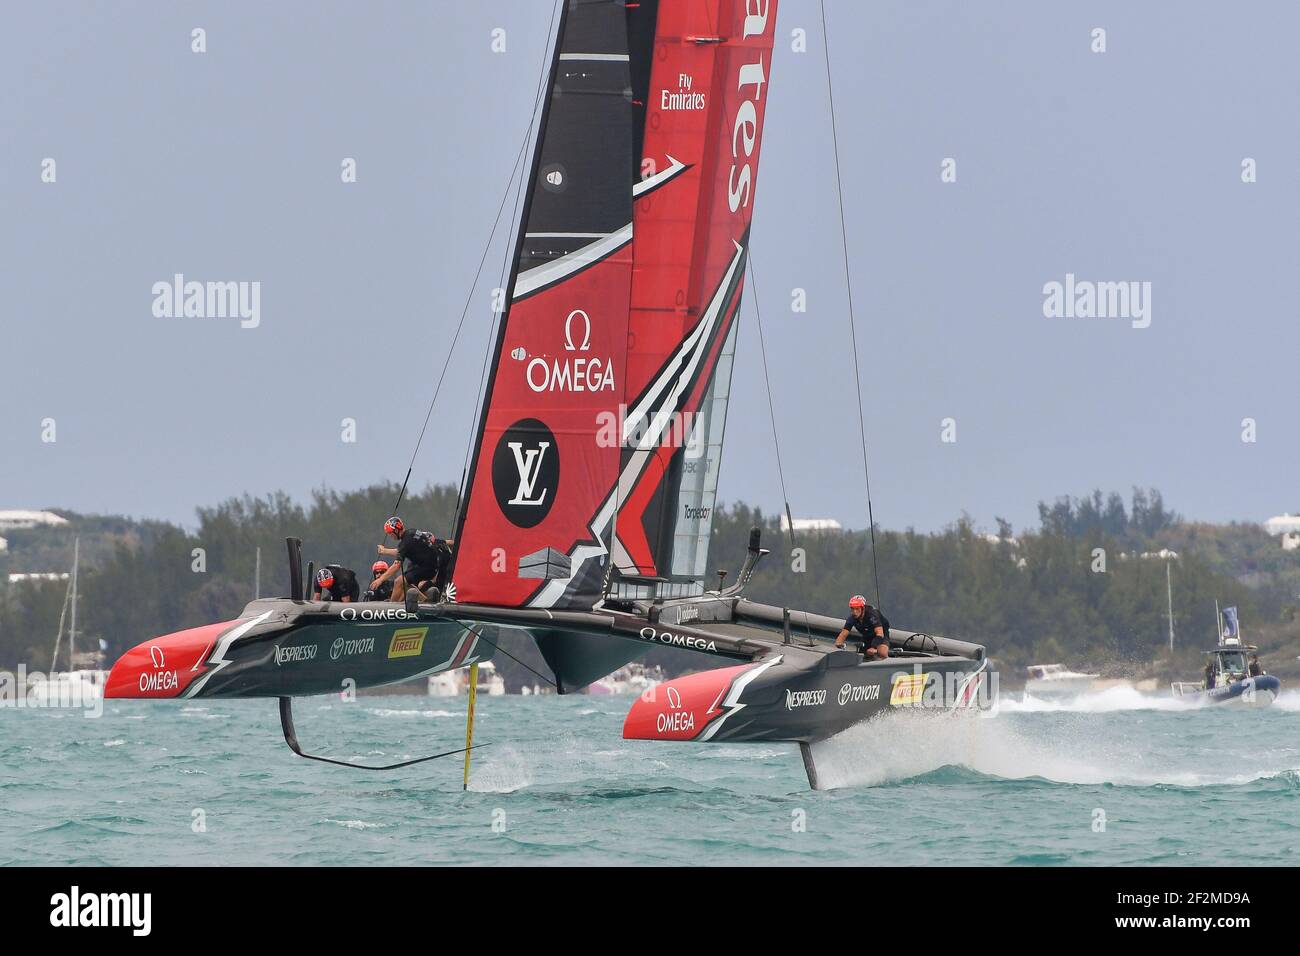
(587, 507)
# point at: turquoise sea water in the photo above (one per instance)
(558, 785)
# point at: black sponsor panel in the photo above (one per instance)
(809, 701)
(322, 658)
(526, 472)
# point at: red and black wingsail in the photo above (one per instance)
(708, 93)
(602, 423)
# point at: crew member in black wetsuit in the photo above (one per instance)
(866, 620)
(1256, 669)
(422, 559)
(336, 583)
(378, 591)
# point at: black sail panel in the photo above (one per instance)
(583, 189)
(540, 502)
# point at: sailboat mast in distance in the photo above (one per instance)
(1169, 595)
(72, 624)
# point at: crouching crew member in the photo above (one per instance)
(336, 583)
(422, 560)
(379, 590)
(871, 627)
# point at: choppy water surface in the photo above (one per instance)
(558, 784)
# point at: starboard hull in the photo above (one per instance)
(803, 700)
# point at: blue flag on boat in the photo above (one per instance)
(1230, 627)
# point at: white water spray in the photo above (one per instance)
(1074, 748)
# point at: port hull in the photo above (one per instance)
(283, 648)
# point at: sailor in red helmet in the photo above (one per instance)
(422, 560)
(870, 626)
(336, 583)
(379, 590)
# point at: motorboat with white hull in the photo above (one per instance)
(1047, 681)
(585, 516)
(455, 683)
(633, 678)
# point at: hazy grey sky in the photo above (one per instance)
(1123, 165)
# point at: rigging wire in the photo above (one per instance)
(523, 148)
(479, 635)
(848, 284)
(459, 326)
(767, 381)
(771, 408)
(497, 317)
(506, 264)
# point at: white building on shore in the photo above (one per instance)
(1287, 527)
(1282, 523)
(18, 520)
(812, 524)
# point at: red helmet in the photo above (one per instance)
(857, 601)
(324, 578)
(394, 526)
(379, 567)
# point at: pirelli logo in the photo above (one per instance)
(407, 642)
(907, 689)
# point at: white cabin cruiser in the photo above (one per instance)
(1055, 680)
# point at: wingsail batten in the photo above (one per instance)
(557, 270)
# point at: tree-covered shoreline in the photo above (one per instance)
(1086, 587)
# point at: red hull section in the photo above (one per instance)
(681, 709)
(165, 666)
